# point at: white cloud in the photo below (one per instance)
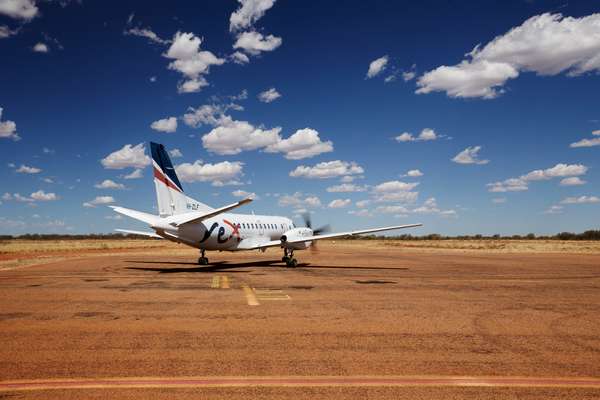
(233, 137)
(408, 75)
(48, 180)
(391, 210)
(588, 142)
(135, 174)
(19, 9)
(8, 129)
(219, 174)
(175, 153)
(40, 195)
(499, 200)
(269, 95)
(554, 210)
(165, 125)
(239, 58)
(245, 194)
(521, 183)
(99, 200)
(254, 42)
(470, 155)
(395, 191)
(146, 33)
(324, 170)
(360, 213)
(363, 203)
(572, 181)
(304, 143)
(426, 134)
(339, 203)
(377, 66)
(128, 156)
(152, 79)
(24, 169)
(249, 12)
(430, 206)
(546, 44)
(395, 186)
(40, 48)
(6, 32)
(413, 173)
(210, 114)
(190, 61)
(298, 200)
(346, 188)
(109, 184)
(581, 200)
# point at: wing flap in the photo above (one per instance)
(141, 233)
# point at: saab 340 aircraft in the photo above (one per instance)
(184, 220)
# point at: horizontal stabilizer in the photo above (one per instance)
(140, 216)
(141, 233)
(197, 216)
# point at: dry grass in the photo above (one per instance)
(488, 246)
(44, 246)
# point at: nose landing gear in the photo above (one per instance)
(202, 260)
(288, 258)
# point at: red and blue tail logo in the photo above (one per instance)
(163, 169)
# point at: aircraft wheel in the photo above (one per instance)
(291, 263)
(285, 259)
(203, 261)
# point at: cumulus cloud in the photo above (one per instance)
(408, 75)
(40, 48)
(245, 194)
(554, 210)
(135, 174)
(165, 125)
(581, 200)
(208, 114)
(249, 12)
(24, 169)
(233, 137)
(219, 174)
(430, 206)
(346, 188)
(19, 9)
(572, 181)
(299, 200)
(255, 42)
(99, 200)
(391, 210)
(6, 32)
(413, 173)
(190, 61)
(470, 155)
(547, 44)
(339, 203)
(146, 33)
(426, 134)
(239, 58)
(269, 95)
(175, 153)
(395, 191)
(329, 169)
(595, 141)
(377, 66)
(304, 143)
(521, 183)
(361, 213)
(109, 184)
(40, 195)
(128, 156)
(8, 129)
(363, 203)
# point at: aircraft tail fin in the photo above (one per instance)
(169, 192)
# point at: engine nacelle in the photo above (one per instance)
(296, 234)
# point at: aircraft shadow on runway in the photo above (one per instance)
(225, 265)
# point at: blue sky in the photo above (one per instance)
(310, 106)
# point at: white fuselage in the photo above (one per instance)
(226, 231)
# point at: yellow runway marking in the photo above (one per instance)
(215, 282)
(302, 381)
(224, 282)
(250, 297)
(271, 294)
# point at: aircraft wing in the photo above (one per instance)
(196, 216)
(141, 233)
(273, 243)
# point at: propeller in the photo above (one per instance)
(316, 232)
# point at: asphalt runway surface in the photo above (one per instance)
(347, 323)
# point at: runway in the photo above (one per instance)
(347, 322)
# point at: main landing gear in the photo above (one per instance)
(202, 260)
(288, 258)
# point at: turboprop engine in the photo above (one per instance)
(296, 234)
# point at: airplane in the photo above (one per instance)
(184, 220)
